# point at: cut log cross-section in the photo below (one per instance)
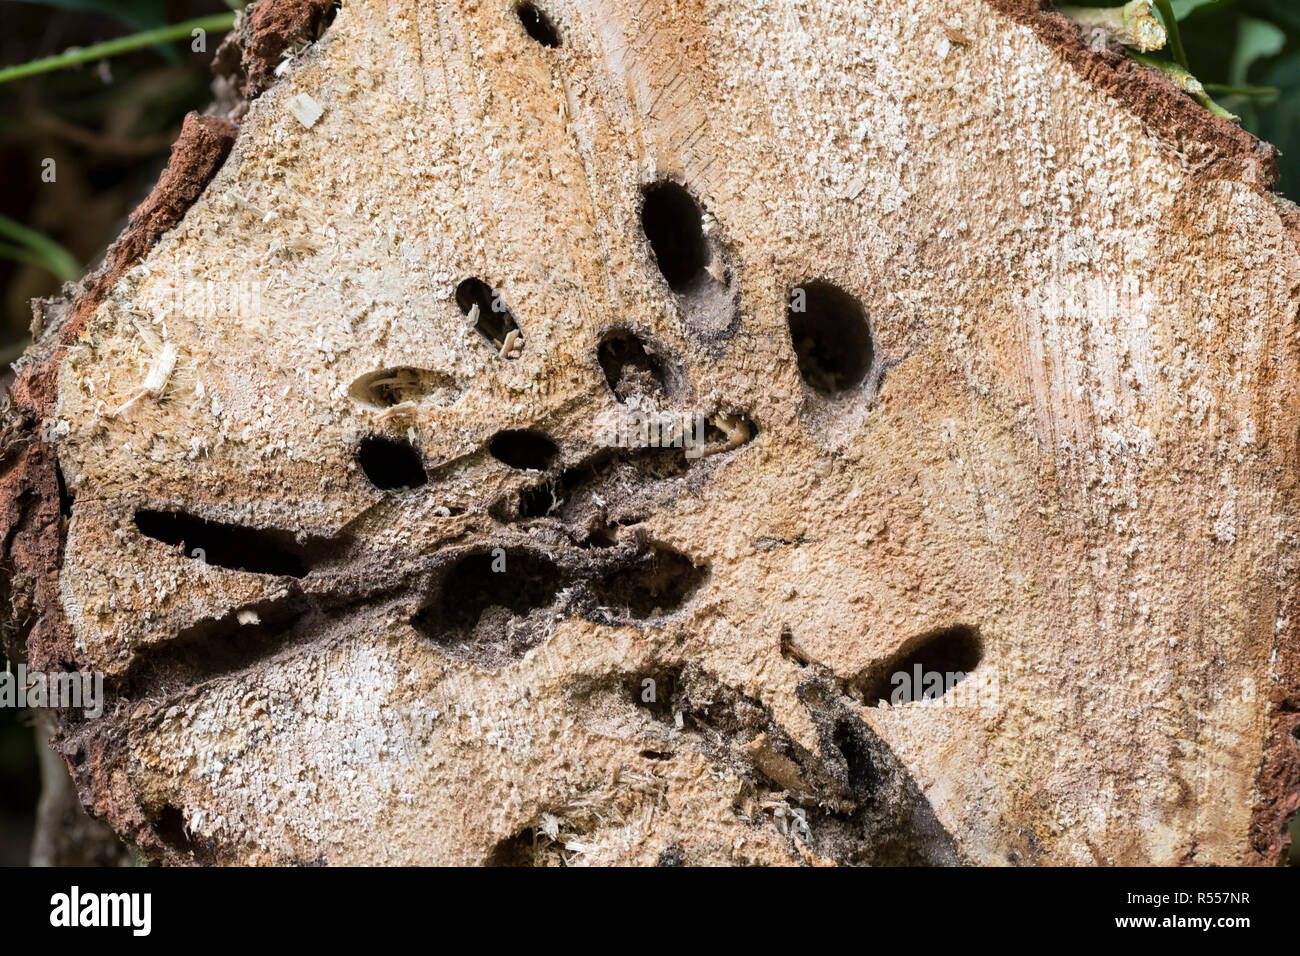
(966, 527)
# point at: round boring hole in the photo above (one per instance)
(390, 464)
(831, 337)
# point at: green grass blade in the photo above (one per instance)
(217, 23)
(40, 250)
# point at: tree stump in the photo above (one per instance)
(680, 433)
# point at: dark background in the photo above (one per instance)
(109, 126)
(109, 129)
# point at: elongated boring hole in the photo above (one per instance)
(257, 550)
(630, 370)
(658, 583)
(674, 226)
(488, 599)
(538, 25)
(933, 665)
(525, 450)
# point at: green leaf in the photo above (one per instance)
(1279, 121)
(1184, 8)
(1285, 13)
(1256, 40)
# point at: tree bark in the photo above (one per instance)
(64, 835)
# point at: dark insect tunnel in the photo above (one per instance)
(630, 369)
(674, 226)
(831, 337)
(928, 669)
(538, 25)
(492, 317)
(239, 548)
(390, 464)
(523, 449)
